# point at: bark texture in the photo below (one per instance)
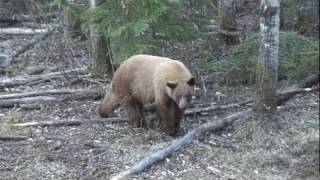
(100, 50)
(70, 18)
(227, 20)
(267, 65)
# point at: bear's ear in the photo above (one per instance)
(191, 81)
(172, 84)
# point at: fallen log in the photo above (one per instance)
(13, 138)
(211, 108)
(308, 82)
(176, 145)
(22, 30)
(15, 18)
(24, 18)
(38, 97)
(9, 103)
(284, 96)
(44, 93)
(72, 122)
(21, 80)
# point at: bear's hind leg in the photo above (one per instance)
(108, 105)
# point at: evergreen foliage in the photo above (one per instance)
(298, 58)
(140, 26)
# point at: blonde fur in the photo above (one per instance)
(141, 80)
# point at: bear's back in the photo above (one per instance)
(142, 75)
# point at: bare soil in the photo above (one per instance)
(285, 146)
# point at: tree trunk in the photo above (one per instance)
(227, 20)
(101, 63)
(267, 65)
(70, 19)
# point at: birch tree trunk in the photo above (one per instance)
(267, 65)
(100, 50)
(227, 20)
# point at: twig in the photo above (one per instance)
(22, 30)
(176, 145)
(41, 97)
(45, 93)
(21, 80)
(72, 122)
(13, 138)
(9, 103)
(211, 108)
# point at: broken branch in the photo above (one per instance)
(72, 122)
(22, 30)
(45, 93)
(211, 108)
(21, 80)
(13, 138)
(9, 101)
(176, 145)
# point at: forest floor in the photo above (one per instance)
(283, 147)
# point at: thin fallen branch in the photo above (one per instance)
(211, 108)
(22, 30)
(13, 138)
(70, 122)
(9, 103)
(21, 80)
(44, 93)
(60, 96)
(15, 18)
(24, 18)
(112, 119)
(176, 145)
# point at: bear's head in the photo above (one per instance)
(181, 92)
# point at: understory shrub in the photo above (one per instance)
(298, 58)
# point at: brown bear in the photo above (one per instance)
(163, 84)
